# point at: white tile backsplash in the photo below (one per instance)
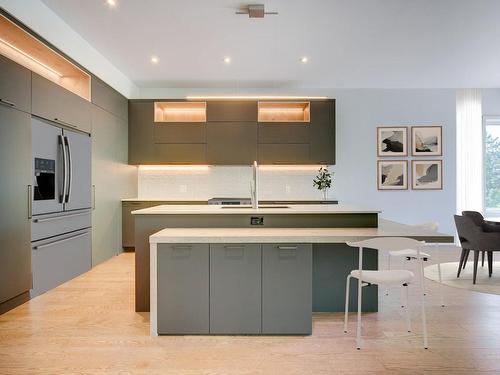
(228, 181)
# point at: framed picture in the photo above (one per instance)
(427, 174)
(392, 141)
(392, 175)
(426, 140)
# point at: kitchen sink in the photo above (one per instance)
(250, 207)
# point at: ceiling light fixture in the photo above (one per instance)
(253, 97)
(227, 60)
(111, 3)
(154, 59)
(304, 60)
(254, 11)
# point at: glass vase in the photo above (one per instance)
(324, 193)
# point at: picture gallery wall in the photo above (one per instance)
(426, 150)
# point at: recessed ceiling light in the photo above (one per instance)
(304, 59)
(155, 59)
(111, 3)
(227, 60)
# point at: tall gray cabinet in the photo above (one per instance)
(15, 203)
(112, 177)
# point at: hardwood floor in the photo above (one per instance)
(88, 326)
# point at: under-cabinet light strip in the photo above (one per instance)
(257, 97)
(266, 167)
(174, 167)
(30, 57)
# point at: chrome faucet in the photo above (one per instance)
(254, 196)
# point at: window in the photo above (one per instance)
(492, 166)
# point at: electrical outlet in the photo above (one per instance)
(183, 188)
(288, 188)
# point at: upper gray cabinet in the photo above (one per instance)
(232, 110)
(108, 99)
(231, 132)
(140, 132)
(322, 132)
(15, 85)
(231, 143)
(57, 104)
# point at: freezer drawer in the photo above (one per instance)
(44, 226)
(59, 259)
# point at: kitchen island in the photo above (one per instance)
(255, 280)
(153, 219)
(331, 257)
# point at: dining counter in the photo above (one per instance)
(258, 280)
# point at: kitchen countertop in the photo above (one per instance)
(163, 200)
(294, 235)
(221, 210)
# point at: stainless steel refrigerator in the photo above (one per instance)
(61, 204)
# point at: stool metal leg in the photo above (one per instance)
(438, 257)
(347, 288)
(388, 268)
(407, 308)
(422, 300)
(360, 291)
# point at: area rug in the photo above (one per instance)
(484, 284)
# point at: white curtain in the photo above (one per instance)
(469, 151)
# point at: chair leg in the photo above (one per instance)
(482, 258)
(422, 304)
(490, 263)
(346, 316)
(388, 268)
(460, 263)
(360, 291)
(438, 258)
(466, 258)
(407, 308)
(476, 261)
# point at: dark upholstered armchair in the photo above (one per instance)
(474, 236)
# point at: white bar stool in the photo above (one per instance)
(411, 254)
(394, 277)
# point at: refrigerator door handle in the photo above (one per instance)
(62, 191)
(70, 170)
(30, 202)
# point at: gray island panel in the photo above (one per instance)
(183, 288)
(235, 288)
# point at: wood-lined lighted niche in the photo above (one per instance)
(180, 111)
(284, 112)
(23, 48)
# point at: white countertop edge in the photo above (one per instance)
(291, 209)
(287, 235)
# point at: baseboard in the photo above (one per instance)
(14, 302)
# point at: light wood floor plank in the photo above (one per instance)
(88, 326)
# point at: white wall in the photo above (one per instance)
(359, 112)
(490, 102)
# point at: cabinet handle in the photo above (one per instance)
(3, 101)
(287, 247)
(65, 123)
(182, 247)
(30, 203)
(93, 197)
(234, 247)
(59, 217)
(59, 241)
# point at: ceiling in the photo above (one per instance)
(349, 43)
